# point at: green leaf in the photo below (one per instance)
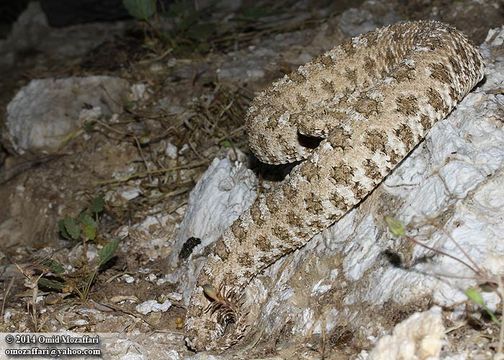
(88, 226)
(129, 105)
(88, 126)
(54, 266)
(140, 9)
(226, 144)
(474, 295)
(144, 139)
(107, 252)
(71, 227)
(51, 284)
(62, 230)
(97, 205)
(395, 226)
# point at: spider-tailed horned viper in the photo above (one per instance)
(370, 101)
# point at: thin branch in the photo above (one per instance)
(152, 172)
(476, 271)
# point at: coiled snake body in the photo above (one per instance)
(370, 101)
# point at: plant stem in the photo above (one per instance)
(444, 253)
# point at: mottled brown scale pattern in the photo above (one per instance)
(371, 38)
(302, 101)
(281, 232)
(272, 122)
(369, 66)
(367, 106)
(245, 260)
(338, 200)
(316, 223)
(351, 75)
(238, 230)
(342, 174)
(265, 259)
(255, 212)
(248, 273)
(230, 277)
(328, 86)
(339, 138)
(425, 121)
(297, 77)
(433, 43)
(456, 67)
(390, 59)
(435, 100)
(325, 60)
(348, 48)
(221, 250)
(371, 169)
(313, 203)
(262, 243)
(461, 53)
(407, 105)
(416, 72)
(289, 192)
(394, 157)
(310, 172)
(440, 73)
(406, 135)
(360, 191)
(294, 220)
(272, 204)
(375, 140)
(404, 73)
(397, 36)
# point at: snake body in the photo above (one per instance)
(352, 114)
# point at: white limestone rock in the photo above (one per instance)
(44, 112)
(420, 337)
(153, 306)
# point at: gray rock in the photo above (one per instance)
(32, 32)
(367, 17)
(46, 111)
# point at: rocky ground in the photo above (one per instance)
(107, 127)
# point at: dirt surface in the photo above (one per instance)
(192, 110)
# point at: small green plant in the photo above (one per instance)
(85, 225)
(475, 296)
(226, 144)
(395, 226)
(81, 280)
(486, 281)
(104, 256)
(82, 228)
(193, 28)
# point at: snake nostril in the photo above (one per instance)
(309, 142)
